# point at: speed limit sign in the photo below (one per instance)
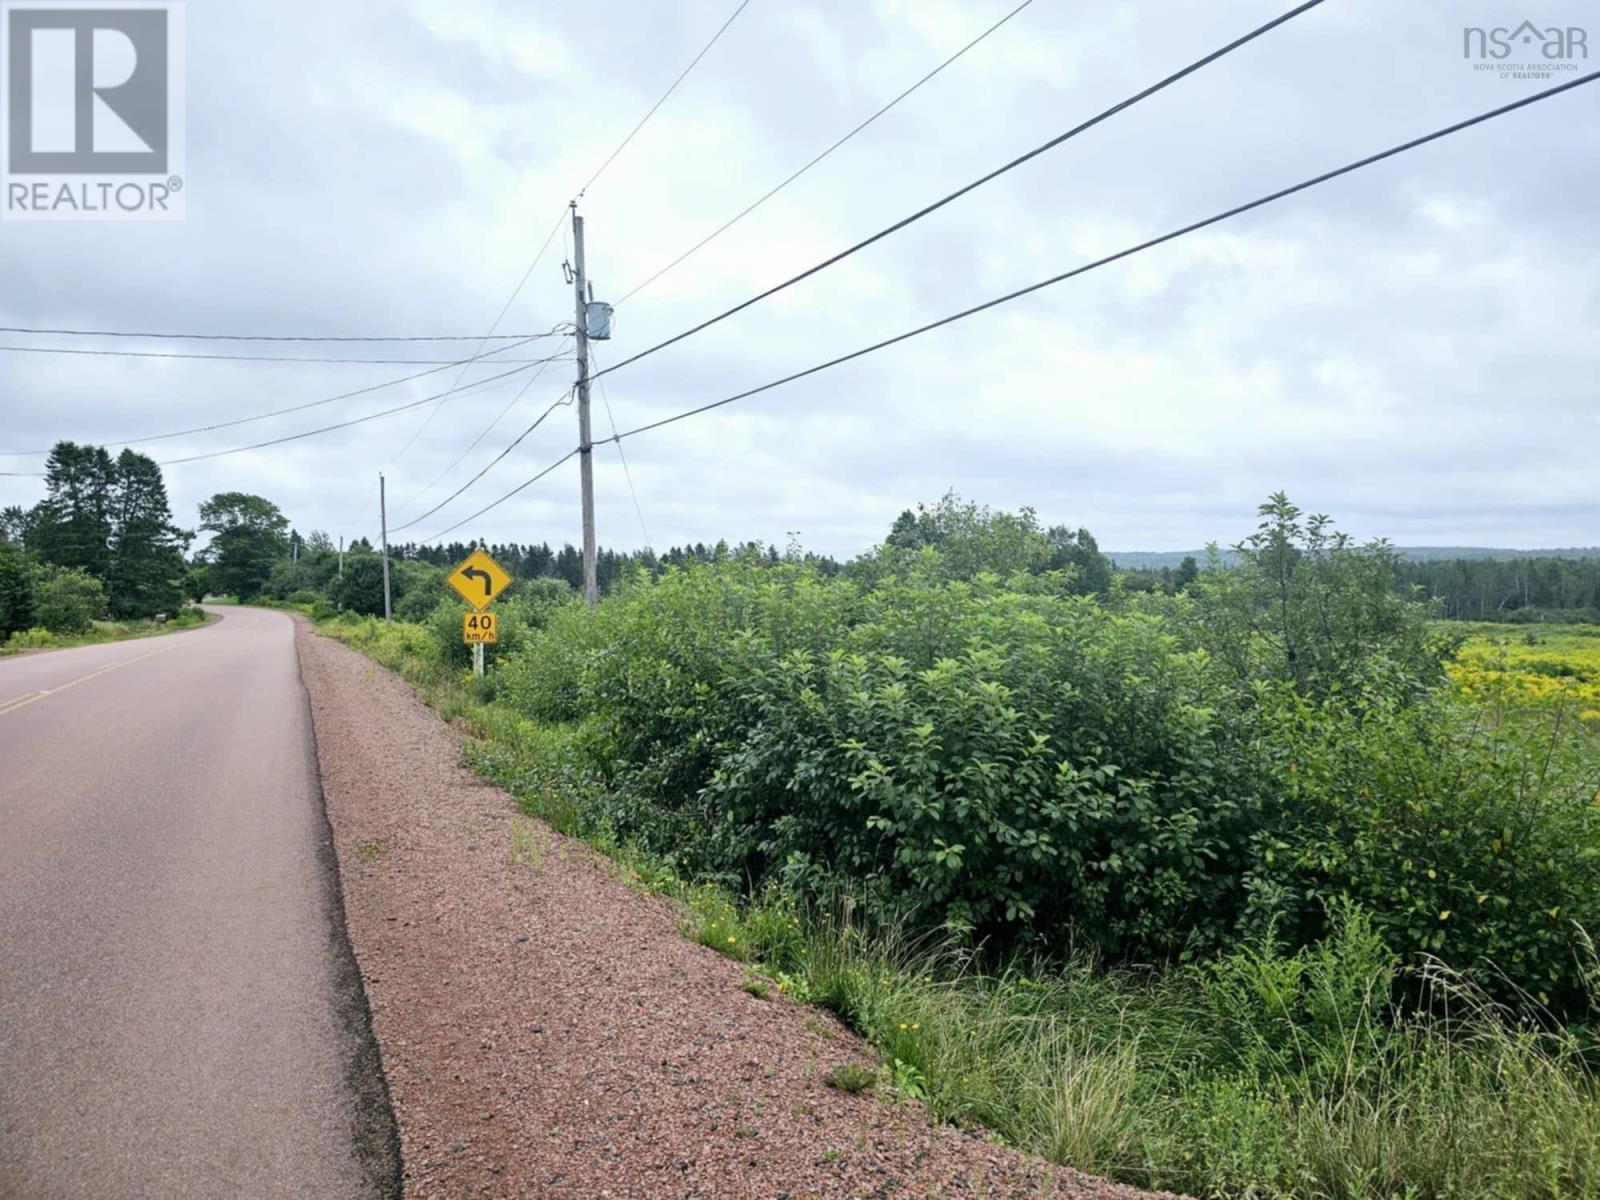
(478, 628)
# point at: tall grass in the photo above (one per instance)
(1258, 1075)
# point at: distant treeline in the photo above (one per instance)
(1519, 589)
(540, 561)
(1516, 590)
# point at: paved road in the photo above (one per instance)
(179, 1012)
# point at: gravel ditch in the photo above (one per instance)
(547, 1032)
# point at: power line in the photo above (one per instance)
(252, 358)
(264, 337)
(1065, 275)
(626, 472)
(742, 214)
(294, 437)
(560, 220)
(515, 442)
(976, 183)
(488, 429)
(361, 420)
(504, 309)
(644, 120)
(1121, 254)
(278, 412)
(527, 483)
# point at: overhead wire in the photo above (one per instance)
(1182, 231)
(770, 193)
(279, 412)
(926, 210)
(561, 219)
(627, 473)
(438, 397)
(487, 430)
(504, 309)
(645, 120)
(269, 337)
(525, 484)
(487, 467)
(250, 358)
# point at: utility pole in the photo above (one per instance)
(341, 556)
(585, 444)
(383, 515)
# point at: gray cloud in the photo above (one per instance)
(1413, 349)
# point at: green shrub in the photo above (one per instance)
(1006, 760)
(1306, 606)
(69, 600)
(30, 639)
(1469, 835)
(16, 590)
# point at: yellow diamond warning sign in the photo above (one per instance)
(479, 579)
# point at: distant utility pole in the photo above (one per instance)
(383, 516)
(585, 446)
(341, 556)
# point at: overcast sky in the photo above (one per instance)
(1412, 349)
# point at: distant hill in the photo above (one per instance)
(1154, 560)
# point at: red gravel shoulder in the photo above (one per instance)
(545, 1029)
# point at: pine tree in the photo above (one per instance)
(72, 525)
(147, 570)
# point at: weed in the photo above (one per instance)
(527, 847)
(372, 849)
(852, 1078)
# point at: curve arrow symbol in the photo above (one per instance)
(479, 573)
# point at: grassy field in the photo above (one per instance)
(1261, 1073)
(102, 631)
(1555, 666)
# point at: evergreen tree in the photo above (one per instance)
(16, 589)
(146, 569)
(72, 526)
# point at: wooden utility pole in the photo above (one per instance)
(585, 443)
(383, 516)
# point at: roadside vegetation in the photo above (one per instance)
(1251, 878)
(1257, 888)
(97, 560)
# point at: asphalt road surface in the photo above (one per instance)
(179, 1011)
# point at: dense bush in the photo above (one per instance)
(16, 590)
(360, 588)
(1009, 760)
(1067, 771)
(68, 601)
(1469, 834)
(1036, 765)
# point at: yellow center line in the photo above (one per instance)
(12, 706)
